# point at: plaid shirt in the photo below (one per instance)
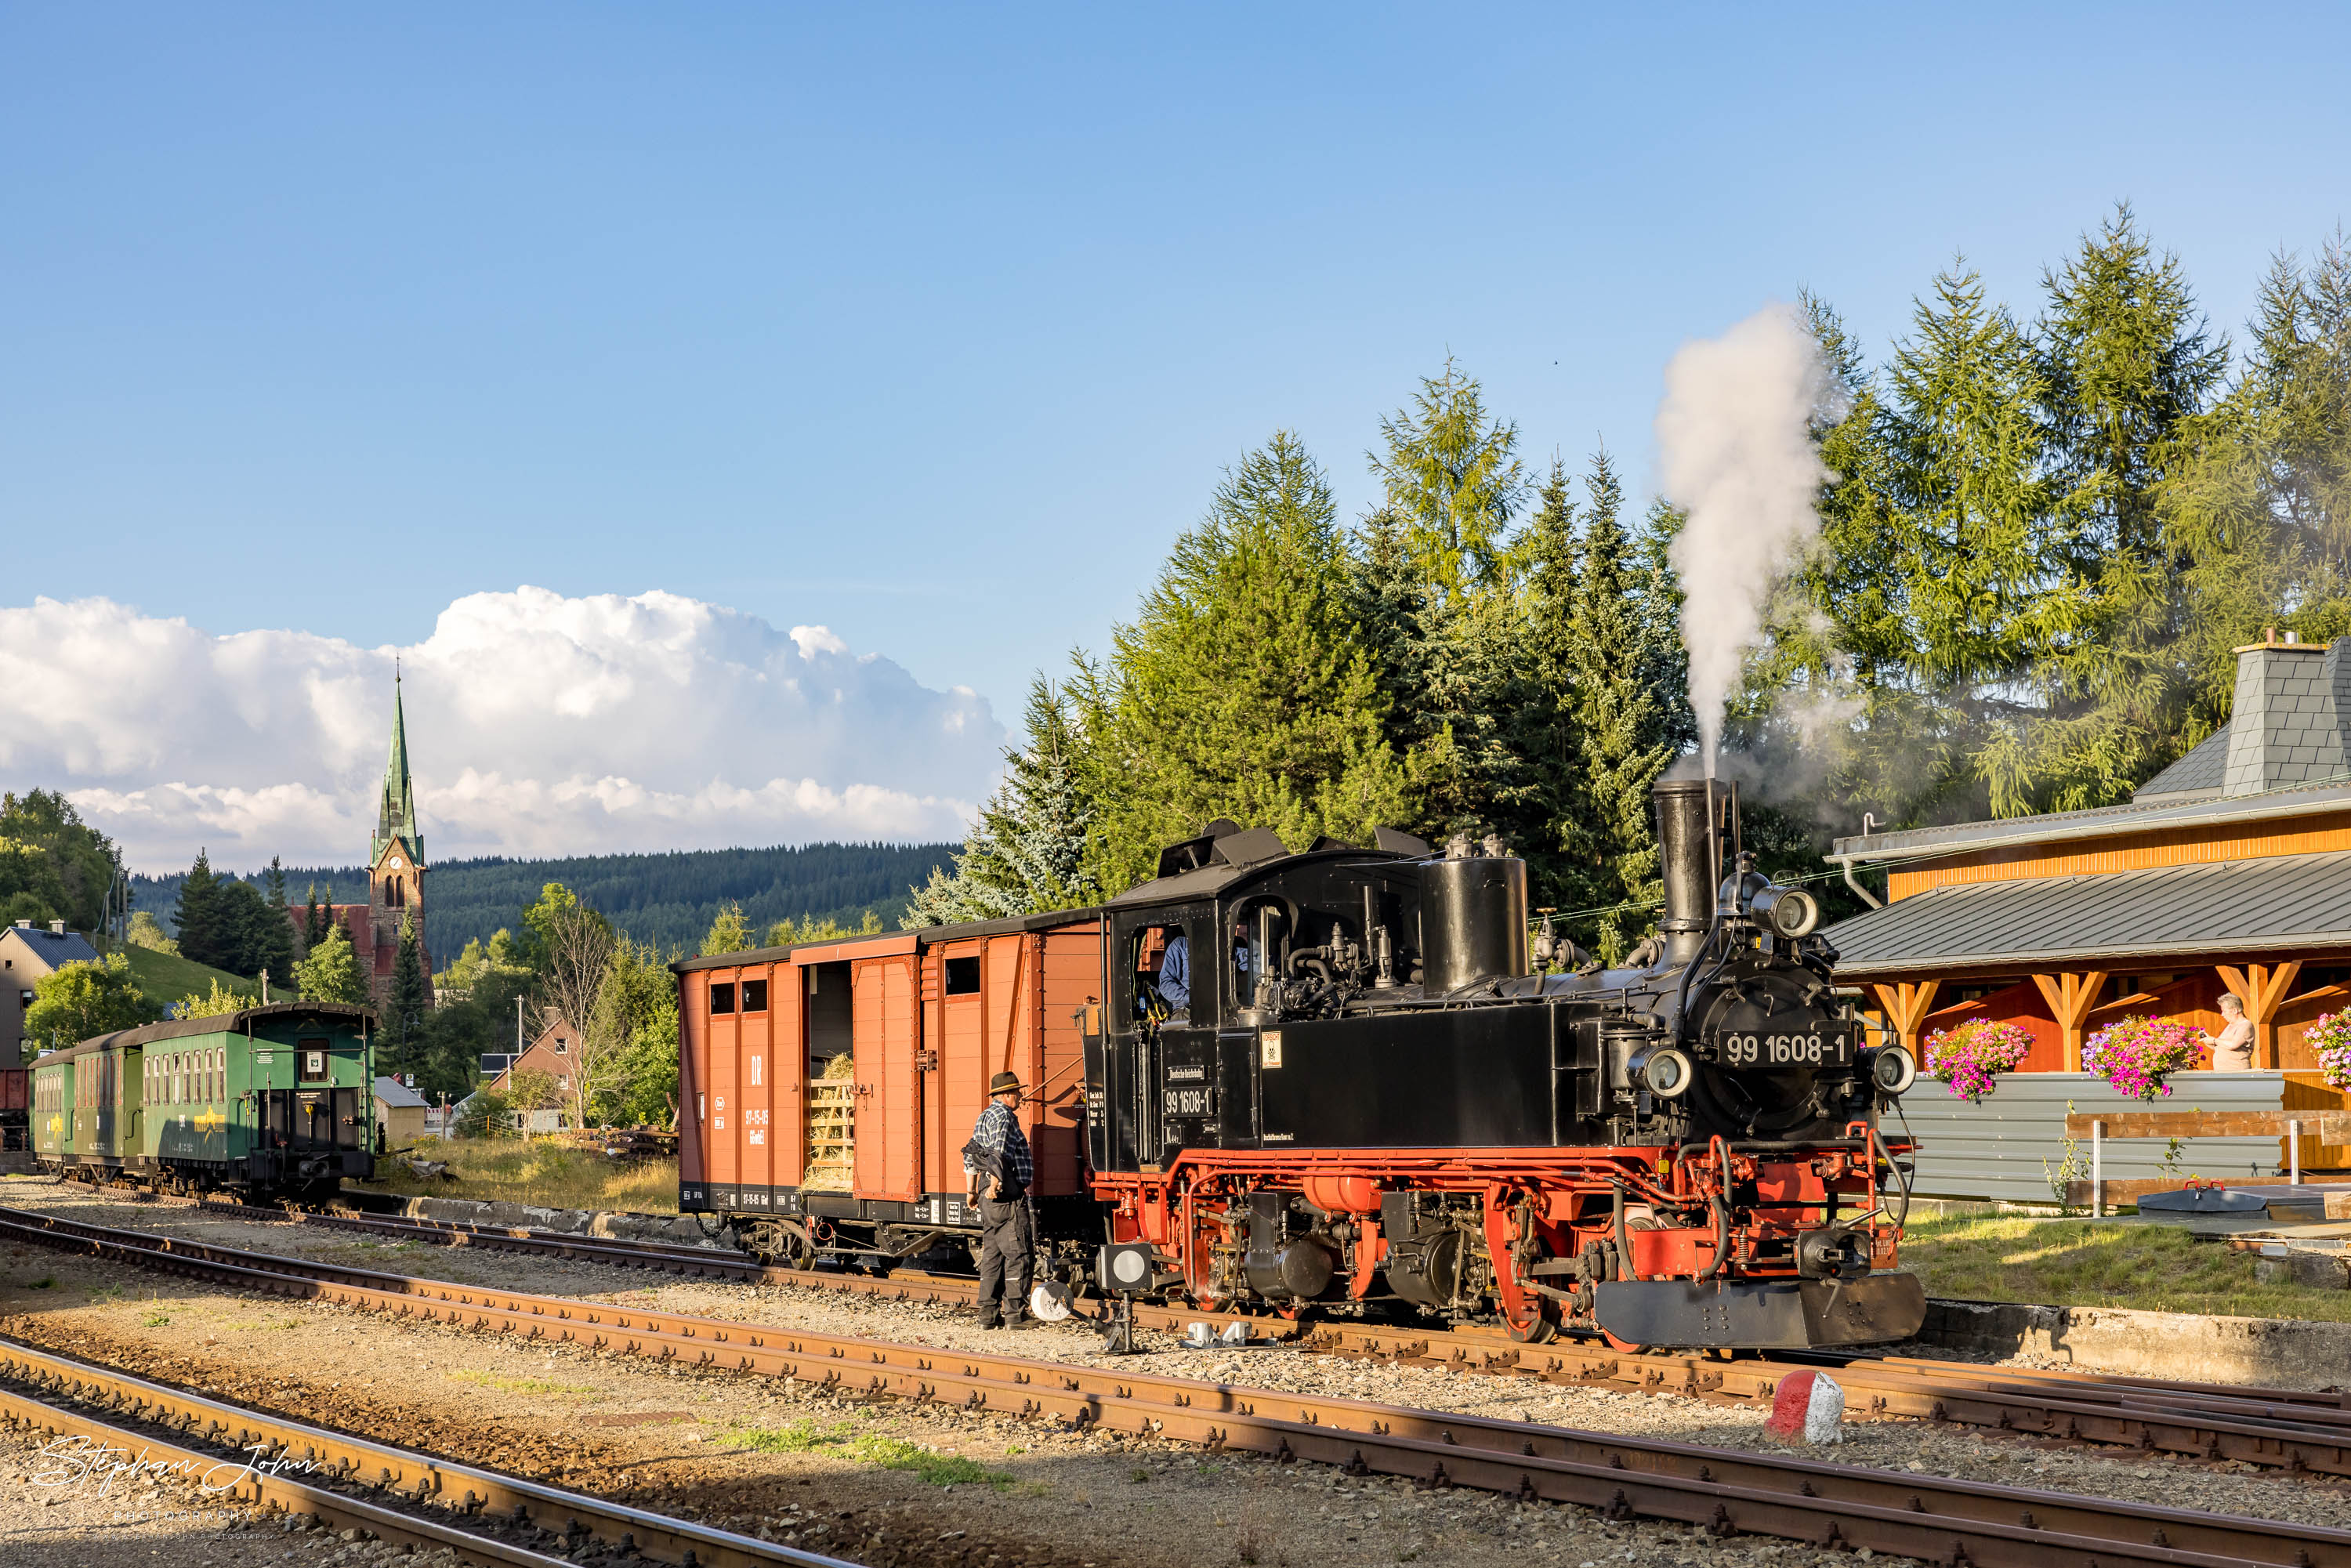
(996, 1138)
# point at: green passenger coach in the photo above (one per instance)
(274, 1099)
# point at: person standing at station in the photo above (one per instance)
(2232, 1050)
(1000, 1168)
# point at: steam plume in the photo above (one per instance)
(1735, 452)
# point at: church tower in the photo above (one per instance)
(395, 862)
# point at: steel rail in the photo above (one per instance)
(1727, 1491)
(2269, 1428)
(254, 1458)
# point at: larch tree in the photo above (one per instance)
(2258, 504)
(729, 932)
(331, 972)
(1239, 690)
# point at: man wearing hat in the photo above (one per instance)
(999, 1166)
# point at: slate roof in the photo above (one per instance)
(2195, 777)
(2271, 903)
(50, 948)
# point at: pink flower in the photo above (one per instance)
(2136, 1055)
(1970, 1054)
(2329, 1039)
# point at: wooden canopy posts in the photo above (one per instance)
(2261, 988)
(1906, 1005)
(2071, 998)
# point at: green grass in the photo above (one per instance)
(2075, 1263)
(885, 1453)
(518, 1385)
(167, 976)
(539, 1171)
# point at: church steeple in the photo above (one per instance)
(396, 812)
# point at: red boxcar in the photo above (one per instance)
(865, 1157)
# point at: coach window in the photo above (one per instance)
(754, 996)
(722, 997)
(963, 977)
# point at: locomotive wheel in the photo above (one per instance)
(1538, 1330)
(1622, 1347)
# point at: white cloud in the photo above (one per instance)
(537, 725)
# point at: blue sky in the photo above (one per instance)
(934, 327)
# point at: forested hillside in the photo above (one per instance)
(666, 899)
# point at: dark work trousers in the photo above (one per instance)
(1006, 1241)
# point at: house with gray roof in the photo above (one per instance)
(2228, 872)
(28, 952)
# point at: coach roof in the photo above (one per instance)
(214, 1024)
(924, 936)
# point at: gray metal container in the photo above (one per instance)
(1473, 921)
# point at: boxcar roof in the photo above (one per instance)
(923, 936)
(216, 1023)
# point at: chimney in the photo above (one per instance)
(2290, 720)
(57, 927)
(24, 922)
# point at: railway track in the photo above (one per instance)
(1727, 1492)
(111, 1418)
(2269, 1428)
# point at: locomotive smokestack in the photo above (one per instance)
(1690, 854)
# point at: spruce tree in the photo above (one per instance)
(199, 917)
(407, 1005)
(1621, 724)
(1436, 591)
(314, 924)
(277, 951)
(1541, 727)
(1452, 478)
(1239, 690)
(1027, 852)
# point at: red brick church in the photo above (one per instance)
(396, 872)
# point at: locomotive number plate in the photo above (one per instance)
(1187, 1102)
(1806, 1048)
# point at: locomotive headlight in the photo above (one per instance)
(1892, 1069)
(1666, 1072)
(1789, 912)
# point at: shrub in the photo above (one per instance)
(1968, 1055)
(2137, 1054)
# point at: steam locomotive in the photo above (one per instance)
(1385, 1090)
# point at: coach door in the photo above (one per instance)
(311, 1108)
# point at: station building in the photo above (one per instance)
(2228, 872)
